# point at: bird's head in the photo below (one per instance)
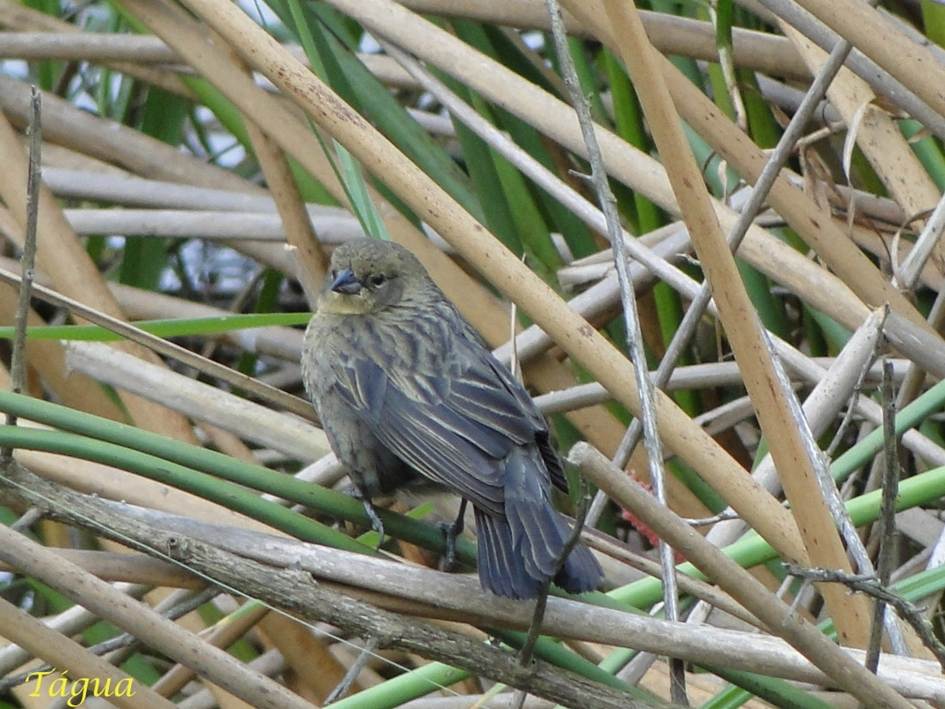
(368, 276)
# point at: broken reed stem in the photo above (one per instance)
(887, 530)
(608, 204)
(28, 259)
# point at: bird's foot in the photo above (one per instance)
(451, 531)
(376, 524)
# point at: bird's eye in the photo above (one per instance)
(378, 280)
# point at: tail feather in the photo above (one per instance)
(518, 551)
(501, 570)
(581, 572)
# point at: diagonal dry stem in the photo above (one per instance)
(742, 326)
(747, 590)
(911, 63)
(811, 222)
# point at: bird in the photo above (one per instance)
(404, 385)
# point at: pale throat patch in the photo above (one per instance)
(343, 304)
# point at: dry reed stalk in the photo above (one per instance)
(670, 34)
(69, 44)
(14, 15)
(204, 224)
(69, 656)
(115, 143)
(222, 634)
(114, 484)
(123, 567)
(303, 650)
(742, 326)
(284, 432)
(911, 63)
(312, 263)
(154, 344)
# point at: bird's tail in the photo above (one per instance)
(519, 551)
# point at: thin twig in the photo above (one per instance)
(887, 529)
(870, 585)
(857, 390)
(28, 259)
(534, 630)
(723, 516)
(608, 205)
(910, 269)
(541, 603)
(27, 519)
(370, 650)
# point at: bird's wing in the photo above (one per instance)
(455, 425)
(542, 435)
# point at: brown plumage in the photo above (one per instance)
(401, 382)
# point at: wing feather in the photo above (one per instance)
(455, 425)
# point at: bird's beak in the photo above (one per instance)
(345, 282)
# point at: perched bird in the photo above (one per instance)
(401, 381)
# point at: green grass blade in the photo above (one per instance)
(163, 328)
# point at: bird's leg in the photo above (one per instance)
(451, 532)
(376, 523)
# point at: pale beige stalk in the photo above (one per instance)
(911, 63)
(671, 34)
(310, 258)
(16, 16)
(742, 325)
(810, 221)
